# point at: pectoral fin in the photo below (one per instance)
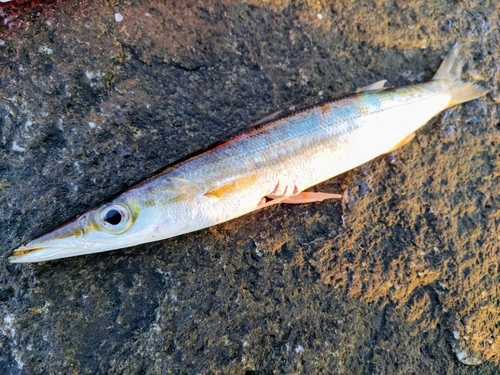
(234, 186)
(183, 189)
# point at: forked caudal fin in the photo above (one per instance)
(450, 70)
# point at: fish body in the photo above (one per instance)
(272, 163)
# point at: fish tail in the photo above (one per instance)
(450, 70)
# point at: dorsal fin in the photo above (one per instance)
(270, 117)
(379, 85)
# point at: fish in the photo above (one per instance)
(272, 162)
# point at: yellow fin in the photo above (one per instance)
(234, 186)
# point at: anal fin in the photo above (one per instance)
(405, 140)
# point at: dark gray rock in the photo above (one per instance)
(392, 281)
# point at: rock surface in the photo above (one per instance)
(401, 277)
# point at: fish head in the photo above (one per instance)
(124, 222)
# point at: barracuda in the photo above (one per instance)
(272, 163)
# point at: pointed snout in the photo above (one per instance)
(64, 241)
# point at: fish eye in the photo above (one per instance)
(114, 218)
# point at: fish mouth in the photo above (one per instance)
(25, 254)
(62, 242)
(39, 251)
